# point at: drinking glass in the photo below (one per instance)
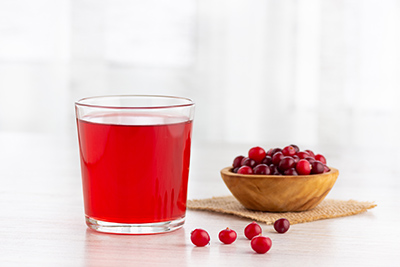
(135, 155)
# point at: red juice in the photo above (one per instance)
(134, 167)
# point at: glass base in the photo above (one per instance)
(131, 228)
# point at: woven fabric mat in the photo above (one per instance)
(328, 208)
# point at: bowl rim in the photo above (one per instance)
(228, 171)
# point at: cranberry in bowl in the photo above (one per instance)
(284, 180)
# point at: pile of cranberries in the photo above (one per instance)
(280, 161)
(253, 231)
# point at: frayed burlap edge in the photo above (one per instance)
(327, 209)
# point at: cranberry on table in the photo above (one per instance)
(253, 229)
(200, 237)
(303, 167)
(282, 225)
(289, 151)
(286, 163)
(227, 236)
(245, 170)
(262, 169)
(237, 162)
(317, 167)
(257, 153)
(296, 158)
(321, 158)
(261, 244)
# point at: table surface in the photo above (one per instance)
(42, 217)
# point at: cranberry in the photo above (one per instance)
(310, 152)
(267, 160)
(326, 169)
(274, 170)
(237, 162)
(252, 230)
(262, 169)
(321, 158)
(286, 163)
(257, 153)
(310, 159)
(303, 167)
(317, 167)
(249, 162)
(200, 237)
(282, 225)
(303, 155)
(291, 171)
(245, 170)
(276, 150)
(295, 148)
(276, 158)
(277, 161)
(261, 244)
(227, 236)
(288, 151)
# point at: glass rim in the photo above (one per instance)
(189, 104)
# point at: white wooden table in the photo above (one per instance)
(42, 218)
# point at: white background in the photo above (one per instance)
(308, 72)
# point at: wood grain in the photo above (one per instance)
(279, 193)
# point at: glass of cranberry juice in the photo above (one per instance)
(135, 154)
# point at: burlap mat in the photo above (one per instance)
(328, 208)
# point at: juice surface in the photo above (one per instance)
(134, 168)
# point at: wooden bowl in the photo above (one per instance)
(279, 193)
